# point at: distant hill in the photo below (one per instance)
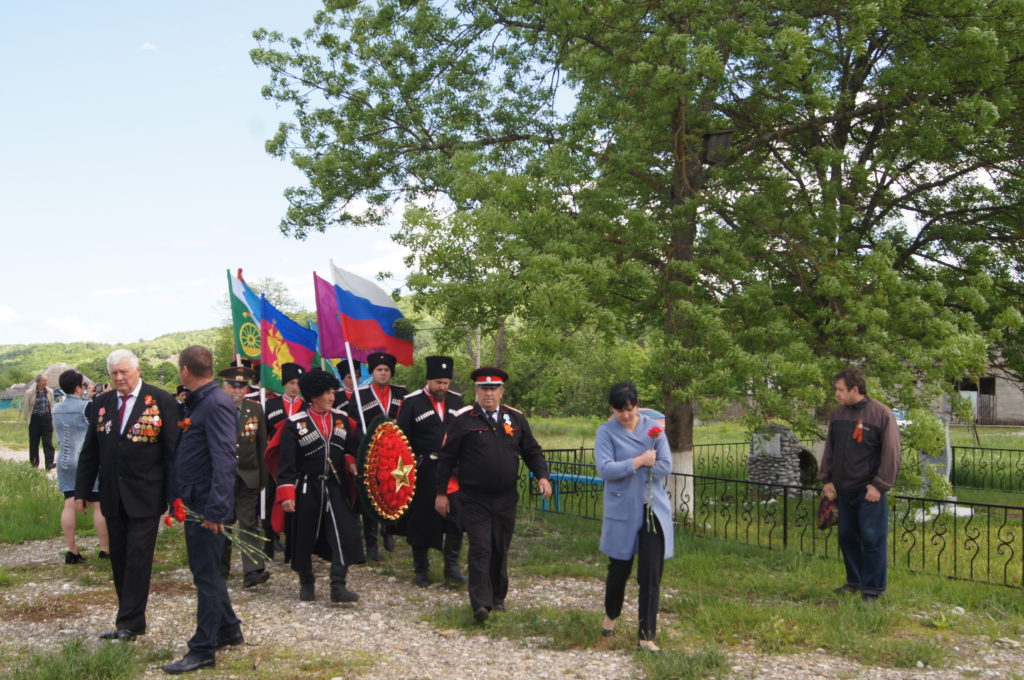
(19, 363)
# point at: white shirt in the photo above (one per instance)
(130, 398)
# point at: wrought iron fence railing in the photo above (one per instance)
(972, 467)
(975, 467)
(970, 541)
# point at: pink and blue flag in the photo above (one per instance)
(359, 311)
(282, 341)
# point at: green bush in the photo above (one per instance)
(32, 504)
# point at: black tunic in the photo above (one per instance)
(487, 456)
(372, 407)
(323, 490)
(425, 431)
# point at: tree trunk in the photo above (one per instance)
(499, 344)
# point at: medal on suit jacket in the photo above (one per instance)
(147, 428)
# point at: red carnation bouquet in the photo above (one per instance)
(244, 540)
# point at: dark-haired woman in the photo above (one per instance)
(71, 422)
(317, 447)
(633, 459)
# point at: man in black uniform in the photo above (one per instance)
(484, 443)
(378, 398)
(279, 409)
(251, 477)
(423, 418)
(345, 397)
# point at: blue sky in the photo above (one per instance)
(132, 173)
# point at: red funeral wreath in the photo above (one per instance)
(389, 471)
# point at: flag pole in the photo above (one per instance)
(355, 384)
(263, 491)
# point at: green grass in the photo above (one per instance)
(719, 594)
(81, 661)
(32, 505)
(14, 435)
(671, 665)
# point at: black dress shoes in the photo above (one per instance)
(73, 558)
(481, 614)
(254, 578)
(104, 555)
(230, 639)
(372, 553)
(120, 634)
(188, 663)
(499, 606)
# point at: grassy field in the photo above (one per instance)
(13, 435)
(717, 597)
(718, 594)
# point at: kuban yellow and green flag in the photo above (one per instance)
(245, 317)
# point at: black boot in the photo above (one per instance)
(452, 547)
(307, 586)
(339, 593)
(421, 566)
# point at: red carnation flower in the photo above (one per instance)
(167, 520)
(654, 432)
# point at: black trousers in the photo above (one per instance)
(132, 544)
(40, 427)
(215, 616)
(489, 525)
(650, 563)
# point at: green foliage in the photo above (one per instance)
(550, 158)
(157, 357)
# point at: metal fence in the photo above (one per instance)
(975, 467)
(970, 541)
(727, 460)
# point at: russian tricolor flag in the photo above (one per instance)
(359, 311)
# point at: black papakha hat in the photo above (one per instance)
(342, 367)
(237, 375)
(378, 358)
(315, 382)
(290, 372)
(489, 376)
(439, 367)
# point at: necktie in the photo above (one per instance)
(493, 416)
(120, 412)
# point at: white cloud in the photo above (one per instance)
(148, 47)
(8, 315)
(116, 292)
(75, 329)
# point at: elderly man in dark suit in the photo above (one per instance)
(130, 445)
(204, 479)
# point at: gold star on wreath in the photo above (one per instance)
(401, 475)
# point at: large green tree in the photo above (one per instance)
(559, 163)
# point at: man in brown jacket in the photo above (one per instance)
(860, 464)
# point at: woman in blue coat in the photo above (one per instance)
(633, 459)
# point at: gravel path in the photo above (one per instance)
(383, 637)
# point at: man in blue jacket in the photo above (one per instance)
(204, 478)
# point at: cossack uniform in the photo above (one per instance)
(424, 420)
(376, 401)
(316, 452)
